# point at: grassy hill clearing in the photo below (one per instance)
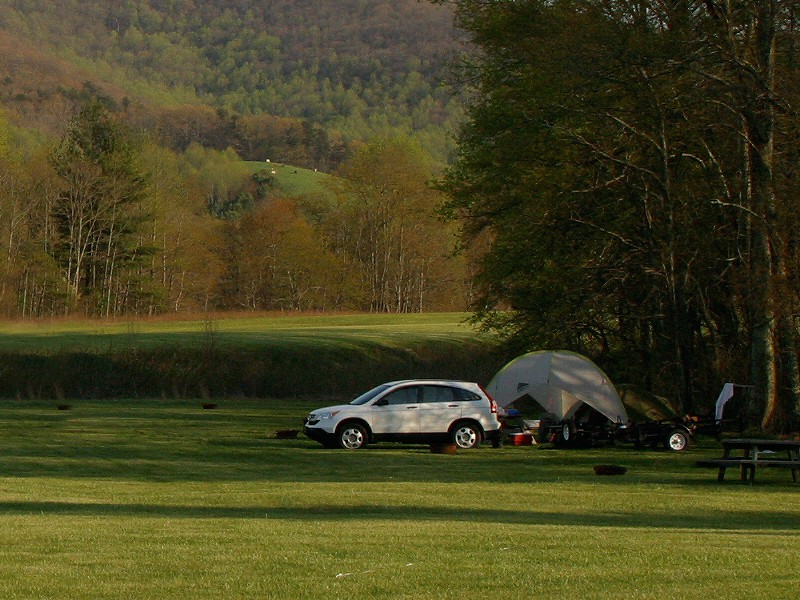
(294, 181)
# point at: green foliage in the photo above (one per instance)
(211, 85)
(98, 212)
(5, 137)
(384, 225)
(603, 156)
(122, 226)
(356, 68)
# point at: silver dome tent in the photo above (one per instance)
(560, 382)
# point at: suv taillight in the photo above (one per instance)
(492, 403)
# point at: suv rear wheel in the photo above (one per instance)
(466, 435)
(352, 436)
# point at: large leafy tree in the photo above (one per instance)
(621, 155)
(28, 275)
(384, 224)
(277, 261)
(185, 265)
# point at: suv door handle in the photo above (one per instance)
(410, 407)
(452, 406)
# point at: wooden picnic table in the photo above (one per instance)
(755, 453)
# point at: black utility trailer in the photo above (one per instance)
(591, 428)
(671, 434)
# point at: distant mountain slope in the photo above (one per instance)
(362, 67)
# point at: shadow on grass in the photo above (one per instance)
(272, 461)
(720, 520)
(178, 442)
(198, 456)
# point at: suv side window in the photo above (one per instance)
(439, 393)
(406, 395)
(467, 396)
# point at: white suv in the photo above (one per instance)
(422, 411)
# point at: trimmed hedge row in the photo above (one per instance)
(179, 372)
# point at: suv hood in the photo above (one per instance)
(337, 407)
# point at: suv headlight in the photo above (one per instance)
(315, 418)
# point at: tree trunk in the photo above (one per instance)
(759, 123)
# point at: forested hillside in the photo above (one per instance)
(146, 148)
(218, 73)
(104, 222)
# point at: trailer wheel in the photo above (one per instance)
(566, 437)
(676, 440)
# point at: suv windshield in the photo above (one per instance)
(367, 396)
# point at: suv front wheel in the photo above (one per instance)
(466, 435)
(352, 436)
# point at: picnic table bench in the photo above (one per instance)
(756, 453)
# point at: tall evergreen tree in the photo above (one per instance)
(98, 210)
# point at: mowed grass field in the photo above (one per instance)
(164, 499)
(267, 331)
(160, 498)
(249, 355)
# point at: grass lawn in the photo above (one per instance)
(243, 330)
(162, 499)
(251, 355)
